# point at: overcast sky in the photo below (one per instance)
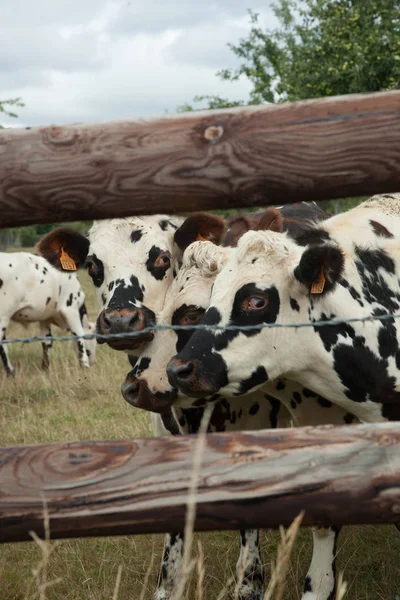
(94, 60)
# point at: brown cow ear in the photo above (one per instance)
(237, 226)
(64, 248)
(271, 220)
(200, 227)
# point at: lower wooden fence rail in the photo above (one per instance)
(338, 475)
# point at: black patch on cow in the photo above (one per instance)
(126, 295)
(48, 300)
(136, 235)
(297, 397)
(325, 258)
(380, 230)
(307, 585)
(110, 286)
(254, 408)
(312, 235)
(293, 403)
(96, 274)
(103, 298)
(307, 393)
(280, 384)
(157, 272)
(213, 367)
(257, 378)
(366, 377)
(294, 304)
(370, 264)
(82, 312)
(274, 412)
(349, 418)
(324, 402)
(132, 359)
(329, 334)
(1, 283)
(141, 365)
(70, 300)
(163, 224)
(183, 335)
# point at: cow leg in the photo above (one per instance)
(249, 571)
(3, 348)
(320, 583)
(171, 566)
(76, 328)
(45, 331)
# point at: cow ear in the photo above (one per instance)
(237, 226)
(271, 220)
(200, 227)
(64, 248)
(320, 268)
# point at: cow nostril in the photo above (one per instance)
(130, 392)
(185, 371)
(106, 324)
(134, 321)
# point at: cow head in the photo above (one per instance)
(268, 279)
(147, 386)
(132, 263)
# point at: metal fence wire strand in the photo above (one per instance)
(132, 335)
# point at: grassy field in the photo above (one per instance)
(68, 404)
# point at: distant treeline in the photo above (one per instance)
(27, 237)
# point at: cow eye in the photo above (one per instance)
(191, 317)
(163, 260)
(254, 303)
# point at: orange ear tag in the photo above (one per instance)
(318, 286)
(200, 238)
(67, 263)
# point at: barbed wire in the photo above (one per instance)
(203, 327)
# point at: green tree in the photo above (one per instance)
(320, 48)
(5, 107)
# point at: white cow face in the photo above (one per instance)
(267, 280)
(147, 386)
(132, 263)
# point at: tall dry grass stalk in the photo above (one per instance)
(46, 547)
(187, 563)
(276, 586)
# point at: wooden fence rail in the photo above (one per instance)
(311, 150)
(339, 475)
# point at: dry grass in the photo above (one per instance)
(70, 404)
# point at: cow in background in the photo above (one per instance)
(31, 290)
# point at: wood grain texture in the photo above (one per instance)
(311, 150)
(339, 475)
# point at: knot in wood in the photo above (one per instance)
(213, 133)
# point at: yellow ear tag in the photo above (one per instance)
(67, 263)
(200, 238)
(318, 286)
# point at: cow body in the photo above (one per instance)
(31, 290)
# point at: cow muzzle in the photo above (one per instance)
(136, 392)
(130, 321)
(187, 376)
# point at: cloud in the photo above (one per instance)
(90, 61)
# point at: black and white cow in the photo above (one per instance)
(132, 263)
(345, 267)
(31, 290)
(147, 386)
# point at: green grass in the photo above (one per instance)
(69, 404)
